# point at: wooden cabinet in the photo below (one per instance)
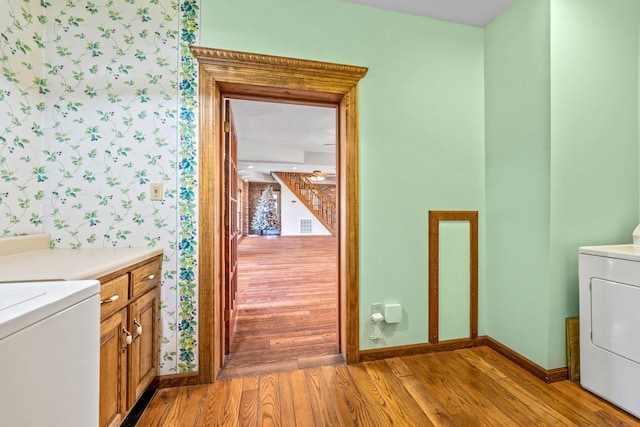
(143, 352)
(129, 341)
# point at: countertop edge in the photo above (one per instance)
(71, 264)
(106, 269)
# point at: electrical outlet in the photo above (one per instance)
(376, 308)
(156, 191)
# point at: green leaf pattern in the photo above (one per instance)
(97, 100)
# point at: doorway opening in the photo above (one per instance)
(246, 75)
(280, 180)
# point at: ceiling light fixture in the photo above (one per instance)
(316, 176)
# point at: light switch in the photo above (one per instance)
(156, 191)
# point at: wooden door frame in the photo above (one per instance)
(254, 76)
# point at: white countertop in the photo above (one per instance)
(70, 264)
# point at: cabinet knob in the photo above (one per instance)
(113, 298)
(149, 277)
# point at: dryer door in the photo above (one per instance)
(615, 318)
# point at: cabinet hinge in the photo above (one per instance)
(227, 315)
(226, 126)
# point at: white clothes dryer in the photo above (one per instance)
(609, 281)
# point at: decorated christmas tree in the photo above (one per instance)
(266, 214)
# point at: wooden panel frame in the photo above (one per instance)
(435, 217)
(253, 76)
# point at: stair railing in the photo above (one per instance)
(313, 198)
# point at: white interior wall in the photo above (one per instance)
(291, 211)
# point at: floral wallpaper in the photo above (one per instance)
(98, 101)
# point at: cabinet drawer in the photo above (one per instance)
(114, 295)
(145, 277)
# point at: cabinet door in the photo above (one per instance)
(113, 369)
(143, 318)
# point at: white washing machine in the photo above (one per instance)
(49, 353)
(610, 323)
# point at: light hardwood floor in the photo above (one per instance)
(287, 305)
(470, 387)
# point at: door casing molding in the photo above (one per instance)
(253, 76)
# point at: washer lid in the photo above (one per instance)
(19, 296)
(25, 303)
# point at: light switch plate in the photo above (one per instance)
(156, 191)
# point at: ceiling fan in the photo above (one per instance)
(317, 176)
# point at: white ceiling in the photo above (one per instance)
(287, 137)
(283, 137)
(477, 13)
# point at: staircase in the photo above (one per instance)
(322, 207)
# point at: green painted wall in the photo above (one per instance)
(421, 127)
(562, 159)
(518, 178)
(453, 281)
(540, 109)
(594, 135)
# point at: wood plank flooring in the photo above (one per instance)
(286, 372)
(286, 305)
(470, 387)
